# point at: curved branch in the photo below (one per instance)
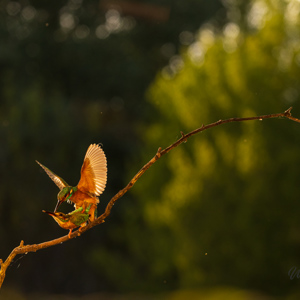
(24, 249)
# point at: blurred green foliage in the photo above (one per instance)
(224, 207)
(220, 210)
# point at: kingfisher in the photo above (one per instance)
(90, 186)
(71, 220)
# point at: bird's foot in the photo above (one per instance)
(69, 235)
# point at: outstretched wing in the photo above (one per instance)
(57, 180)
(93, 171)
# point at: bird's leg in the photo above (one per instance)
(81, 226)
(70, 233)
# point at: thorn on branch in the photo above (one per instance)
(183, 137)
(158, 153)
(287, 113)
(1, 261)
(21, 244)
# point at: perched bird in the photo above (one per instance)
(91, 184)
(71, 220)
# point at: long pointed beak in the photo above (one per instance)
(57, 205)
(49, 213)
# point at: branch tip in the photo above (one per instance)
(288, 112)
(21, 244)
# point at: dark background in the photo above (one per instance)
(216, 217)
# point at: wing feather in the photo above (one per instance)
(94, 171)
(57, 180)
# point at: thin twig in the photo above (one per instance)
(24, 249)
